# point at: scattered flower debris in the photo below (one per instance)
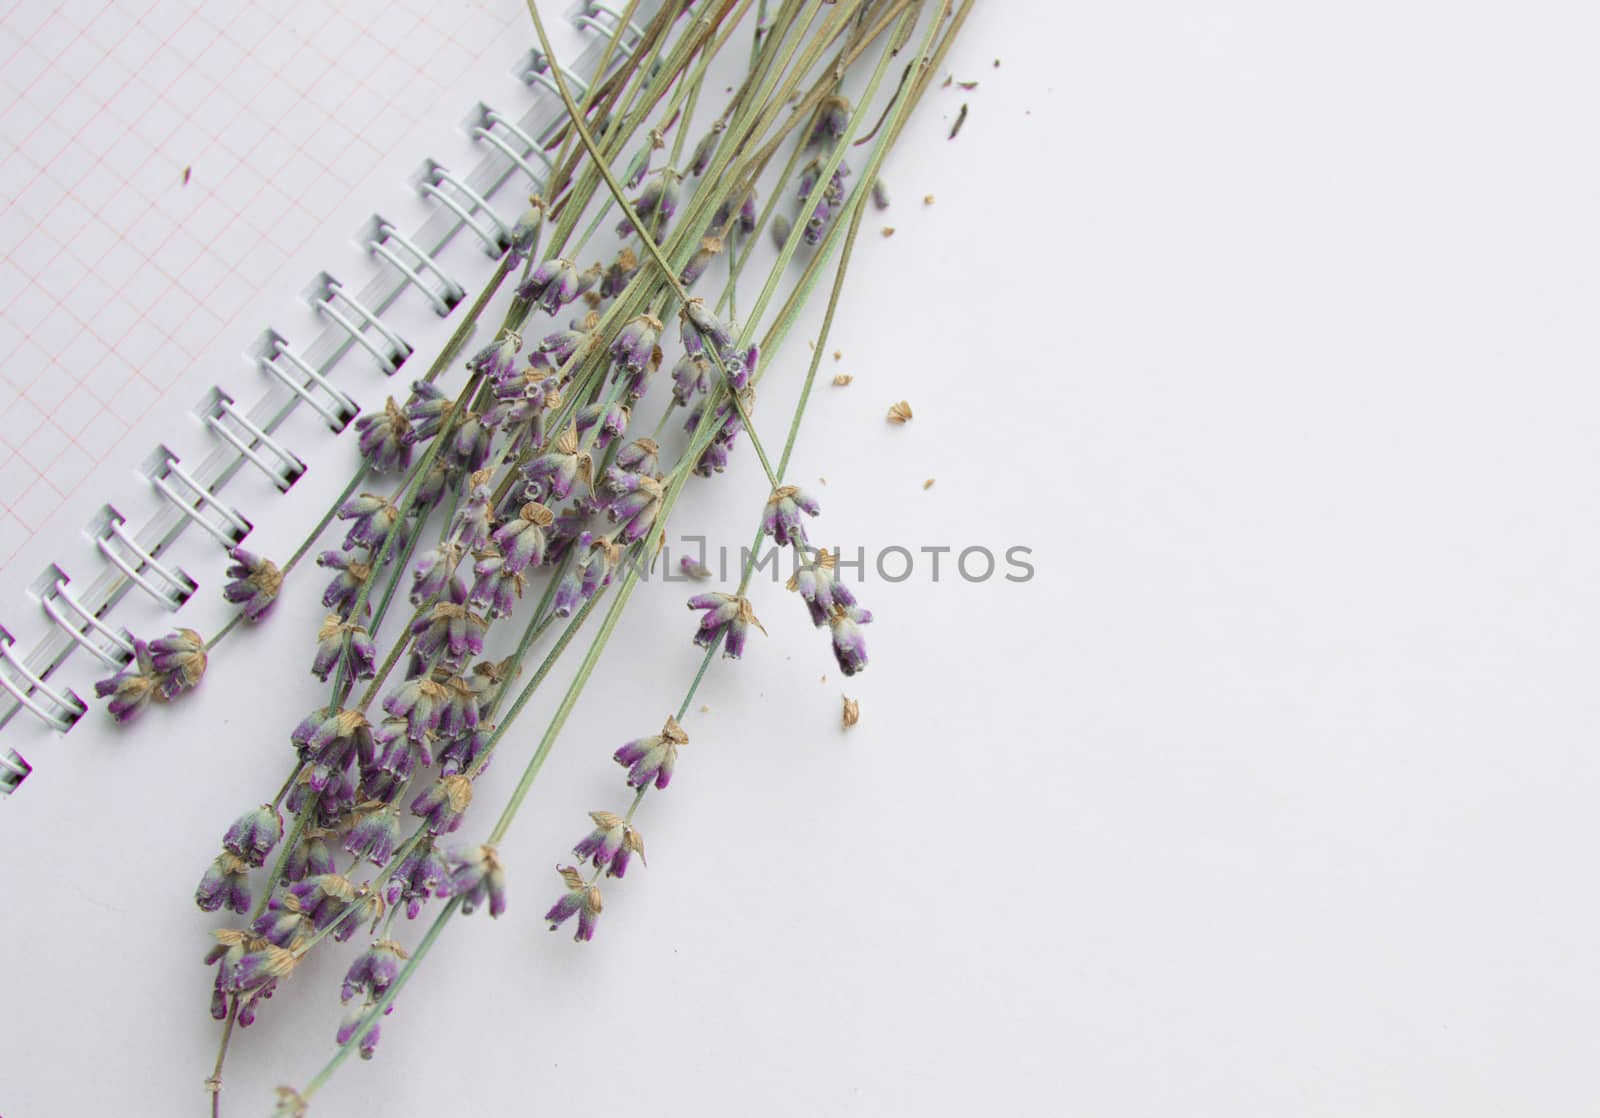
(837, 354)
(888, 230)
(900, 413)
(969, 86)
(927, 199)
(928, 484)
(961, 118)
(842, 379)
(187, 172)
(851, 713)
(694, 570)
(880, 194)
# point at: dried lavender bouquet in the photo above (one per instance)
(532, 482)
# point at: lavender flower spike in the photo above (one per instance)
(726, 616)
(611, 844)
(254, 834)
(782, 520)
(653, 758)
(476, 876)
(133, 687)
(256, 582)
(582, 900)
(179, 659)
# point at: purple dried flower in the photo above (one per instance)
(611, 844)
(339, 739)
(781, 228)
(311, 855)
(653, 758)
(497, 588)
(849, 646)
(726, 616)
(386, 438)
(641, 456)
(612, 420)
(476, 876)
(256, 582)
(655, 205)
(833, 117)
(782, 520)
(179, 661)
(619, 273)
(498, 359)
(699, 327)
(254, 834)
(419, 702)
(443, 805)
(597, 562)
(525, 233)
(231, 945)
(417, 878)
(635, 344)
(473, 526)
(691, 377)
(325, 899)
(522, 539)
(553, 353)
(427, 409)
(449, 634)
(555, 283)
(581, 900)
(351, 576)
(226, 883)
(639, 165)
(341, 639)
(469, 443)
(703, 151)
(552, 475)
(375, 835)
(283, 922)
(132, 688)
(435, 572)
(373, 971)
(636, 501)
(820, 587)
(462, 752)
(710, 248)
(880, 194)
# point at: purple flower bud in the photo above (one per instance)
(635, 344)
(597, 562)
(443, 805)
(619, 273)
(133, 687)
(641, 456)
(326, 898)
(448, 634)
(427, 409)
(375, 835)
(636, 501)
(418, 701)
(340, 740)
(469, 444)
(418, 877)
(373, 971)
(705, 149)
(582, 900)
(555, 283)
(225, 883)
(523, 538)
(472, 527)
(653, 758)
(553, 353)
(611, 844)
(639, 165)
(497, 360)
(655, 205)
(820, 587)
(833, 117)
(726, 616)
(781, 227)
(311, 856)
(352, 1020)
(612, 420)
(552, 475)
(849, 646)
(254, 834)
(434, 572)
(880, 194)
(256, 582)
(351, 576)
(461, 753)
(690, 378)
(525, 233)
(712, 460)
(497, 588)
(339, 639)
(179, 661)
(476, 876)
(710, 248)
(386, 438)
(782, 519)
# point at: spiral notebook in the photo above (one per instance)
(173, 358)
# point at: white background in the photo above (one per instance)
(1270, 329)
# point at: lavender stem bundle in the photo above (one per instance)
(526, 472)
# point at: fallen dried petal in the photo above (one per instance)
(888, 230)
(928, 484)
(900, 413)
(852, 712)
(927, 199)
(842, 379)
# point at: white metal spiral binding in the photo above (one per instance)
(381, 234)
(109, 526)
(434, 175)
(62, 708)
(589, 19)
(218, 406)
(13, 771)
(326, 289)
(121, 650)
(164, 468)
(538, 73)
(272, 347)
(139, 556)
(482, 128)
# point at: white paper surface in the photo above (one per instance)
(1269, 330)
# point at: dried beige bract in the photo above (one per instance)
(900, 413)
(888, 230)
(852, 712)
(928, 484)
(843, 379)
